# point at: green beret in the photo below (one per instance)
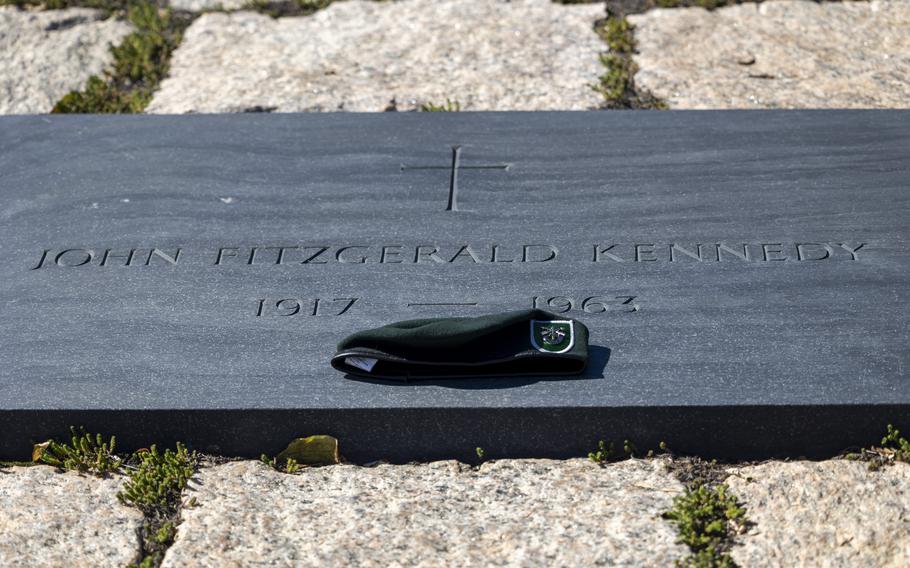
(525, 342)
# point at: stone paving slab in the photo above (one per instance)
(831, 513)
(516, 512)
(777, 54)
(369, 56)
(46, 54)
(50, 518)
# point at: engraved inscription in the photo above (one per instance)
(286, 307)
(454, 168)
(454, 254)
(108, 257)
(589, 305)
(726, 252)
(386, 254)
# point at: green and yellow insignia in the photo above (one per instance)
(555, 336)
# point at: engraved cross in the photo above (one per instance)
(453, 168)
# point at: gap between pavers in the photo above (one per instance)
(52, 518)
(514, 512)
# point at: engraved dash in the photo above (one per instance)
(413, 304)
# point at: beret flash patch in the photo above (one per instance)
(553, 336)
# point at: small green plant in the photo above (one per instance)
(662, 448)
(606, 452)
(84, 453)
(284, 8)
(449, 106)
(156, 482)
(14, 463)
(617, 83)
(893, 448)
(289, 466)
(165, 533)
(707, 518)
(99, 96)
(141, 61)
(897, 444)
(481, 453)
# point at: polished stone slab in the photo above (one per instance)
(745, 277)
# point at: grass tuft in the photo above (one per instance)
(894, 448)
(85, 453)
(617, 84)
(707, 518)
(155, 484)
(289, 466)
(141, 61)
(449, 106)
(606, 452)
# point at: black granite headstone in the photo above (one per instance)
(745, 277)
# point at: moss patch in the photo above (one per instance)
(14, 463)
(140, 63)
(155, 486)
(85, 453)
(449, 106)
(607, 452)
(707, 518)
(155, 483)
(617, 84)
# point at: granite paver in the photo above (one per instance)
(50, 518)
(833, 513)
(372, 56)
(777, 54)
(514, 512)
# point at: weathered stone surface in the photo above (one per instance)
(64, 519)
(368, 56)
(789, 54)
(832, 513)
(522, 512)
(44, 55)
